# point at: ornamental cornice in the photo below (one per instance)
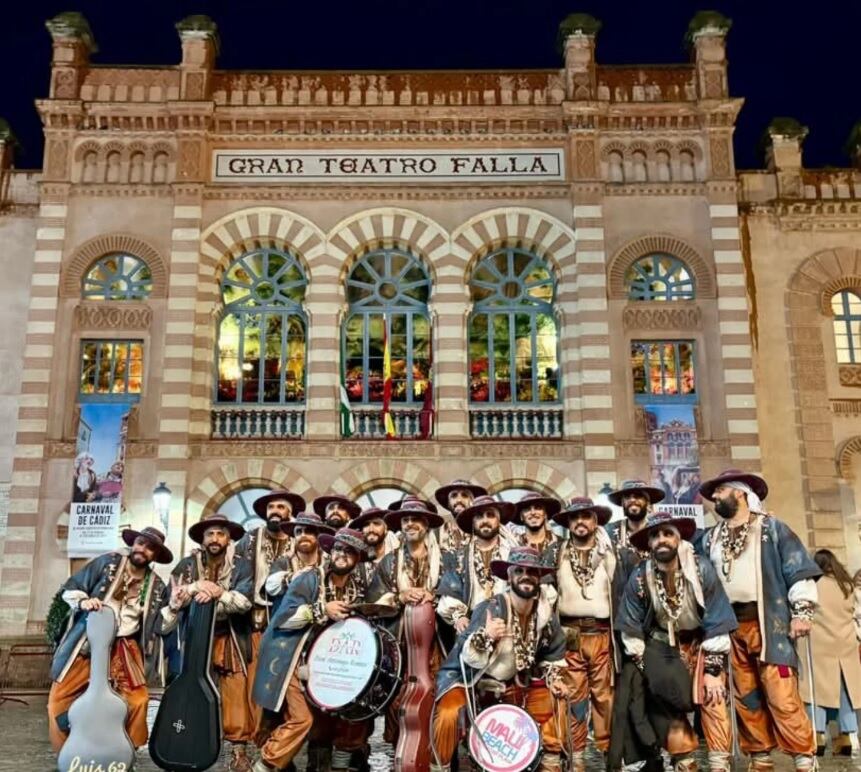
(363, 192)
(128, 190)
(656, 189)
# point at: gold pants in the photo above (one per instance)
(236, 712)
(256, 710)
(284, 742)
(590, 676)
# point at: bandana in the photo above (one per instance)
(754, 504)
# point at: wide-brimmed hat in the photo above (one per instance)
(349, 537)
(396, 505)
(369, 514)
(412, 507)
(520, 557)
(652, 493)
(297, 503)
(309, 520)
(441, 494)
(533, 499)
(154, 537)
(482, 504)
(754, 481)
(686, 526)
(321, 502)
(195, 533)
(583, 504)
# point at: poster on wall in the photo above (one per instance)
(674, 458)
(97, 479)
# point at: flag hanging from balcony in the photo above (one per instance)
(388, 423)
(348, 423)
(426, 415)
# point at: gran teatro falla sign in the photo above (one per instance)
(344, 166)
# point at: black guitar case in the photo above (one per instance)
(187, 730)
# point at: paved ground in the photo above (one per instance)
(24, 746)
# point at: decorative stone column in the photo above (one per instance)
(73, 44)
(783, 155)
(707, 38)
(200, 46)
(577, 40)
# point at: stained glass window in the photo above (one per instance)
(262, 332)
(110, 370)
(663, 368)
(846, 306)
(513, 335)
(118, 277)
(659, 277)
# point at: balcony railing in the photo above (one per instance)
(230, 422)
(540, 423)
(369, 423)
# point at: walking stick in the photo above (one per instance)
(737, 757)
(809, 648)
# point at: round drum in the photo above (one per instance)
(354, 669)
(511, 740)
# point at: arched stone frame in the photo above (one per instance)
(87, 253)
(525, 473)
(606, 151)
(838, 285)
(696, 151)
(844, 457)
(627, 255)
(385, 471)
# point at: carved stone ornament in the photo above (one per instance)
(99, 316)
(661, 316)
(719, 151)
(586, 159)
(850, 375)
(57, 159)
(141, 449)
(60, 449)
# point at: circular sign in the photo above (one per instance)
(341, 662)
(504, 738)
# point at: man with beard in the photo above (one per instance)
(533, 511)
(336, 510)
(770, 580)
(674, 610)
(130, 587)
(313, 598)
(455, 498)
(636, 499)
(216, 573)
(466, 578)
(379, 540)
(514, 639)
(585, 567)
(304, 531)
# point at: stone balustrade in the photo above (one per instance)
(515, 423)
(230, 422)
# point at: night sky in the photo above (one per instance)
(803, 63)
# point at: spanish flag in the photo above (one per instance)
(388, 423)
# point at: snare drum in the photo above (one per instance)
(354, 669)
(511, 740)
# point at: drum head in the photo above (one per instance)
(512, 740)
(374, 610)
(341, 662)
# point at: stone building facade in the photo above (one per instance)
(389, 198)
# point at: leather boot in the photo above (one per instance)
(316, 758)
(239, 761)
(842, 745)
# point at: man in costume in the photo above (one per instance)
(467, 579)
(674, 609)
(533, 512)
(130, 587)
(313, 598)
(304, 532)
(455, 498)
(770, 580)
(636, 498)
(216, 573)
(379, 540)
(514, 639)
(336, 510)
(585, 567)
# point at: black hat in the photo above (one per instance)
(531, 499)
(372, 513)
(686, 526)
(307, 519)
(441, 494)
(196, 531)
(349, 537)
(753, 481)
(321, 503)
(520, 557)
(297, 503)
(482, 504)
(583, 504)
(154, 537)
(652, 493)
(413, 507)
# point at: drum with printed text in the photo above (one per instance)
(505, 738)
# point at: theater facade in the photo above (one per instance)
(561, 272)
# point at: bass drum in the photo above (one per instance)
(505, 738)
(354, 669)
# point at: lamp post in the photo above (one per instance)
(161, 504)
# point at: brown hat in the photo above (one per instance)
(753, 481)
(533, 499)
(309, 520)
(416, 508)
(482, 504)
(154, 537)
(583, 504)
(349, 537)
(652, 493)
(195, 533)
(441, 494)
(369, 514)
(396, 505)
(321, 503)
(297, 503)
(520, 557)
(685, 525)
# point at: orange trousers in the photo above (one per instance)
(64, 693)
(236, 712)
(589, 675)
(535, 700)
(256, 710)
(770, 710)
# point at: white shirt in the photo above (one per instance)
(571, 600)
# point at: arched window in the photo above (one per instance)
(387, 293)
(239, 508)
(687, 169)
(662, 165)
(659, 277)
(846, 306)
(615, 164)
(638, 166)
(513, 336)
(118, 277)
(381, 497)
(261, 335)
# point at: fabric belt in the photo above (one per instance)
(586, 624)
(682, 636)
(746, 612)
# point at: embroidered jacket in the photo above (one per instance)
(252, 547)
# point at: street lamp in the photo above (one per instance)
(161, 504)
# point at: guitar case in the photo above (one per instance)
(186, 734)
(97, 719)
(413, 751)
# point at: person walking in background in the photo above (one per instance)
(836, 665)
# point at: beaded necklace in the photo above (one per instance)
(671, 603)
(418, 570)
(485, 578)
(584, 571)
(274, 548)
(732, 544)
(348, 593)
(524, 641)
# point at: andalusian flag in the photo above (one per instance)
(388, 423)
(348, 423)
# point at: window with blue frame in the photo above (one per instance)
(513, 334)
(663, 370)
(387, 295)
(261, 347)
(659, 278)
(846, 306)
(111, 370)
(118, 277)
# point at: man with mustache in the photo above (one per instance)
(636, 499)
(770, 580)
(467, 579)
(131, 588)
(314, 597)
(216, 573)
(455, 498)
(304, 531)
(585, 567)
(675, 604)
(336, 510)
(514, 639)
(379, 540)
(533, 511)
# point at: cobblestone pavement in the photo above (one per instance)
(24, 747)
